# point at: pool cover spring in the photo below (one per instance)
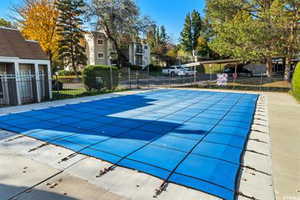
(192, 138)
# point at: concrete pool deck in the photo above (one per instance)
(40, 174)
(284, 119)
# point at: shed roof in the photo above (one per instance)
(13, 44)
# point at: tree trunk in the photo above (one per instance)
(287, 70)
(290, 52)
(122, 59)
(50, 59)
(74, 66)
(194, 55)
(269, 66)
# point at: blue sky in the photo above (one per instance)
(170, 13)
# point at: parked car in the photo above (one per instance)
(240, 71)
(57, 85)
(188, 71)
(175, 70)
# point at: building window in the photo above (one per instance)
(100, 55)
(100, 42)
(139, 48)
(146, 47)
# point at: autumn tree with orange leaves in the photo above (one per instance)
(37, 21)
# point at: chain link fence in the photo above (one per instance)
(27, 86)
(146, 78)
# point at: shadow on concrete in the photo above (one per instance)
(12, 192)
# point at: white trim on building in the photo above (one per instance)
(18, 76)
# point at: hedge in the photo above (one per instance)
(98, 77)
(67, 73)
(296, 82)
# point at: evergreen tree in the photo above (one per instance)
(163, 35)
(195, 29)
(191, 32)
(158, 38)
(186, 34)
(6, 23)
(69, 24)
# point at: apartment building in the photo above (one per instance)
(101, 51)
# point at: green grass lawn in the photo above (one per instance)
(80, 92)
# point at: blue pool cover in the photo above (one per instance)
(191, 138)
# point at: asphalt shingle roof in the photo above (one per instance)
(13, 44)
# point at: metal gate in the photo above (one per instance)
(4, 98)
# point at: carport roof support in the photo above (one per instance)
(226, 61)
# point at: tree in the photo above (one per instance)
(172, 53)
(191, 32)
(253, 30)
(6, 23)
(186, 34)
(158, 40)
(286, 17)
(202, 47)
(69, 28)
(119, 19)
(37, 21)
(163, 36)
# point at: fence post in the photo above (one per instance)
(137, 79)
(48, 73)
(37, 82)
(148, 76)
(129, 77)
(170, 80)
(195, 75)
(17, 77)
(111, 78)
(261, 81)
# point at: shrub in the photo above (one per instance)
(296, 82)
(69, 79)
(67, 73)
(98, 77)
